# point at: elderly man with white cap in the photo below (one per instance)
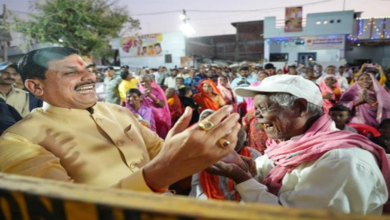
(309, 163)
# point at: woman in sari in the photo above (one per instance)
(330, 91)
(226, 90)
(256, 135)
(208, 96)
(368, 100)
(249, 101)
(387, 83)
(154, 98)
(134, 102)
(175, 106)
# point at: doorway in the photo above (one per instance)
(306, 58)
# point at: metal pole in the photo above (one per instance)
(5, 43)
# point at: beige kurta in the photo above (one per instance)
(106, 148)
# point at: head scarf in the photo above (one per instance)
(226, 91)
(365, 113)
(325, 89)
(206, 100)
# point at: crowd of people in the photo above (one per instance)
(298, 137)
(363, 91)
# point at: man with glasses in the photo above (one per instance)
(14, 97)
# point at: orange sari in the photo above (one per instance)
(210, 183)
(205, 100)
(176, 108)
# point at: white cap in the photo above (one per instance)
(295, 85)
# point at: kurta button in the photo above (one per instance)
(119, 143)
(99, 120)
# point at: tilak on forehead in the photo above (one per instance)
(80, 61)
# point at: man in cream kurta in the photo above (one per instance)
(51, 145)
(76, 139)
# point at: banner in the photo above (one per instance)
(148, 45)
(186, 61)
(324, 42)
(293, 20)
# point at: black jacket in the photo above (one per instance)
(8, 116)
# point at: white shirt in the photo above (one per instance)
(170, 82)
(343, 180)
(156, 76)
(317, 74)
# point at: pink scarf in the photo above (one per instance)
(162, 116)
(249, 101)
(317, 141)
(226, 91)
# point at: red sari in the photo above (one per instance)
(256, 134)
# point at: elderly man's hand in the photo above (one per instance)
(190, 150)
(233, 168)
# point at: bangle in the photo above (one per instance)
(374, 104)
(153, 187)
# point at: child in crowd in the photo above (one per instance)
(341, 116)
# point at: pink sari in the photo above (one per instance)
(365, 113)
(162, 116)
(226, 92)
(249, 101)
(314, 143)
(325, 89)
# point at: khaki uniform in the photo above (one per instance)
(105, 148)
(18, 99)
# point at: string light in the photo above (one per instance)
(387, 17)
(371, 28)
(286, 41)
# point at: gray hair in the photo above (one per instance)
(286, 100)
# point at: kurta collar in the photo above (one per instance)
(66, 111)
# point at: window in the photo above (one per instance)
(278, 57)
(168, 58)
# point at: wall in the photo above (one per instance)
(378, 54)
(324, 57)
(312, 29)
(250, 40)
(173, 43)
